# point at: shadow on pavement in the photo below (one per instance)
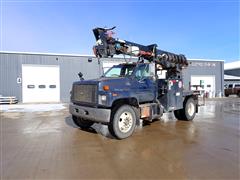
(96, 128)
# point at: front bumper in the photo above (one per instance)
(93, 114)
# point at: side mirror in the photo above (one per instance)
(80, 75)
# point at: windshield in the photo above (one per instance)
(120, 71)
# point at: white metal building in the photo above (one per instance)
(232, 72)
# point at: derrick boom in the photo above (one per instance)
(107, 46)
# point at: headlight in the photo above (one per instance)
(102, 99)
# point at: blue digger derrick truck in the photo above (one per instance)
(129, 92)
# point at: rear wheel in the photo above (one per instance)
(82, 123)
(123, 122)
(188, 112)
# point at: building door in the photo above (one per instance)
(40, 83)
(204, 83)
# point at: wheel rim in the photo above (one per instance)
(191, 109)
(125, 122)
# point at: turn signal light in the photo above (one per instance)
(106, 88)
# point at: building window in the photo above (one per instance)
(52, 86)
(30, 86)
(41, 86)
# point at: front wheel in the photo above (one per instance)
(123, 122)
(177, 114)
(82, 123)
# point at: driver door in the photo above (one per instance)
(144, 83)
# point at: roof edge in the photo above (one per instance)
(85, 55)
(192, 59)
(46, 54)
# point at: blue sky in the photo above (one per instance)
(198, 29)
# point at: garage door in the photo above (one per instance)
(40, 83)
(207, 84)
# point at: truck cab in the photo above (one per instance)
(126, 93)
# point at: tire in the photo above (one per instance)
(238, 94)
(177, 114)
(188, 112)
(82, 123)
(123, 122)
(226, 95)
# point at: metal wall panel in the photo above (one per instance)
(201, 68)
(9, 71)
(70, 66)
(69, 69)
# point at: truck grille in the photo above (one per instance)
(84, 93)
